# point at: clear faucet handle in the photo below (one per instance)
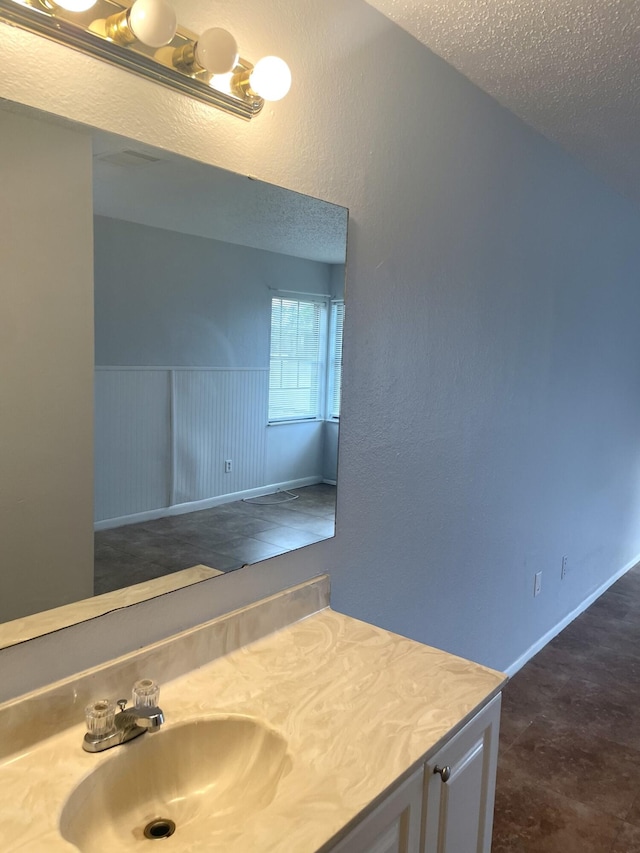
(100, 717)
(146, 693)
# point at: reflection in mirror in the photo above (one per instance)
(219, 303)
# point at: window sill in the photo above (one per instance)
(296, 421)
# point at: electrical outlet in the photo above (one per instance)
(228, 466)
(537, 583)
(565, 567)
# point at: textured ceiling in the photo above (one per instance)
(569, 68)
(141, 184)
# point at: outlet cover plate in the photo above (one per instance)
(537, 583)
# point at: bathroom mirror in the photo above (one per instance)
(219, 303)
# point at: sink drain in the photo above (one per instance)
(161, 827)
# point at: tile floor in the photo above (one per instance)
(569, 762)
(225, 537)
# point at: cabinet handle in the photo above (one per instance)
(443, 772)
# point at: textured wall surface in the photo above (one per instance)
(569, 69)
(491, 414)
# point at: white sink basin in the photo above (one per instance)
(204, 776)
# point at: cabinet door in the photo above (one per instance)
(394, 826)
(460, 787)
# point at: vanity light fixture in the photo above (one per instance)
(270, 79)
(145, 38)
(73, 5)
(153, 22)
(215, 51)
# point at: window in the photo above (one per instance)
(297, 365)
(335, 359)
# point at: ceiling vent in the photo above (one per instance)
(128, 158)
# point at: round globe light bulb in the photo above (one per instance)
(153, 22)
(216, 51)
(271, 78)
(75, 5)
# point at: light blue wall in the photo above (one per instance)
(337, 275)
(491, 418)
(46, 347)
(169, 299)
(330, 455)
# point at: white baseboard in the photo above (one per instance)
(546, 638)
(207, 503)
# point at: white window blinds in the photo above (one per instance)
(335, 359)
(296, 374)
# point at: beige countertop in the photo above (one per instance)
(19, 630)
(358, 707)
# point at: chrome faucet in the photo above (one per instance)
(106, 728)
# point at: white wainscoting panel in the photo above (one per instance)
(218, 415)
(163, 434)
(132, 441)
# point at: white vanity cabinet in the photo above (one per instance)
(458, 812)
(394, 826)
(444, 807)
